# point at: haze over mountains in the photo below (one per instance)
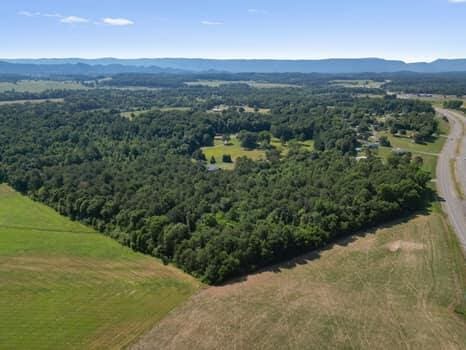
(177, 65)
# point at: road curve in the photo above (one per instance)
(453, 205)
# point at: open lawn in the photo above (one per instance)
(396, 287)
(427, 151)
(406, 143)
(40, 86)
(234, 149)
(63, 286)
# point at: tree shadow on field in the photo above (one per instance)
(341, 241)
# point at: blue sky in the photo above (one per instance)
(398, 29)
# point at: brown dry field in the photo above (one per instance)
(396, 287)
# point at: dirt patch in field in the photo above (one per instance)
(404, 246)
(5, 190)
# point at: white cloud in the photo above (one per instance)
(73, 20)
(456, 1)
(258, 11)
(29, 14)
(77, 20)
(211, 23)
(117, 21)
(39, 14)
(56, 15)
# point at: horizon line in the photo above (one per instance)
(406, 61)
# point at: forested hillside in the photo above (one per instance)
(143, 180)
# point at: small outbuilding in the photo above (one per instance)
(212, 167)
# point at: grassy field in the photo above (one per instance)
(396, 287)
(407, 143)
(40, 86)
(63, 286)
(255, 84)
(368, 84)
(234, 149)
(14, 102)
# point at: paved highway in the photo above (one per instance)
(453, 205)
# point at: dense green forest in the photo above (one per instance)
(141, 180)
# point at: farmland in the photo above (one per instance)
(394, 287)
(227, 175)
(370, 84)
(41, 100)
(255, 84)
(64, 286)
(37, 86)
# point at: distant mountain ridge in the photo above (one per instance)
(78, 68)
(177, 65)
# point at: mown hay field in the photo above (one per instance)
(63, 286)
